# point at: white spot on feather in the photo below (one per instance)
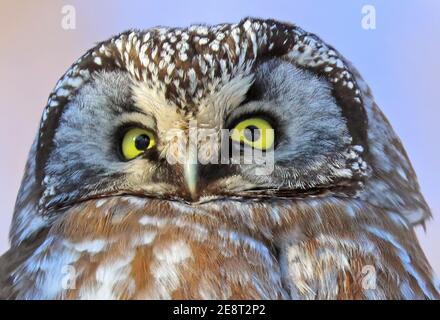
(108, 276)
(144, 239)
(92, 246)
(166, 269)
(151, 220)
(97, 61)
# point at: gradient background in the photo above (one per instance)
(399, 60)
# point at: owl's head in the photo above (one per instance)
(256, 110)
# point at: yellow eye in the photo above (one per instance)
(255, 132)
(136, 141)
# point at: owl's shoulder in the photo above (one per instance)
(12, 259)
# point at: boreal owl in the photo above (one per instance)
(119, 202)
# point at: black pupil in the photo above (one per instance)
(252, 133)
(142, 142)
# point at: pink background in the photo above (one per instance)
(400, 61)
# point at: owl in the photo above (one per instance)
(234, 161)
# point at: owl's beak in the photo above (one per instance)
(190, 170)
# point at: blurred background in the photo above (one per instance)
(399, 59)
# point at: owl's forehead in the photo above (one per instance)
(188, 64)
